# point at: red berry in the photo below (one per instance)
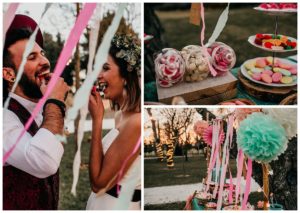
(268, 45)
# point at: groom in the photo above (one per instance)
(30, 174)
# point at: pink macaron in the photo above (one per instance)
(266, 78)
(256, 76)
(268, 72)
(293, 70)
(261, 63)
(276, 77)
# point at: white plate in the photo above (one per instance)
(245, 73)
(251, 40)
(277, 12)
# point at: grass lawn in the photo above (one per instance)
(157, 174)
(66, 200)
(242, 23)
(184, 172)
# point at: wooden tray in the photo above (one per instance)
(207, 92)
(290, 100)
(265, 93)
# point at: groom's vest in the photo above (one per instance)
(22, 191)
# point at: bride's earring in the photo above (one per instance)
(124, 89)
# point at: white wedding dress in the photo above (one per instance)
(106, 201)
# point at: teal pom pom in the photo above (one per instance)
(261, 137)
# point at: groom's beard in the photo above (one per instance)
(30, 88)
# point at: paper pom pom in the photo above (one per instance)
(169, 67)
(241, 113)
(222, 56)
(208, 133)
(196, 66)
(261, 137)
(287, 118)
(200, 126)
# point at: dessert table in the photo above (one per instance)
(150, 90)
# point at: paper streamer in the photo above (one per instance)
(121, 172)
(202, 34)
(75, 33)
(128, 188)
(239, 175)
(215, 150)
(28, 48)
(210, 166)
(82, 95)
(8, 18)
(225, 160)
(77, 158)
(230, 199)
(248, 184)
(84, 110)
(219, 26)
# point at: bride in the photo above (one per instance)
(119, 81)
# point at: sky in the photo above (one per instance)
(61, 17)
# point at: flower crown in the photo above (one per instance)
(130, 51)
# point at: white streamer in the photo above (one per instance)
(28, 49)
(82, 95)
(219, 26)
(128, 188)
(84, 110)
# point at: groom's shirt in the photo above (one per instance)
(39, 155)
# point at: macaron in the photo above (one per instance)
(293, 70)
(268, 68)
(284, 65)
(257, 70)
(276, 77)
(261, 63)
(239, 102)
(266, 78)
(285, 72)
(256, 76)
(269, 60)
(286, 80)
(250, 65)
(268, 72)
(276, 69)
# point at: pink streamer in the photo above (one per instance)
(121, 172)
(207, 56)
(225, 164)
(248, 184)
(73, 39)
(230, 189)
(215, 152)
(212, 158)
(9, 16)
(239, 174)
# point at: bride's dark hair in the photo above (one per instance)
(126, 53)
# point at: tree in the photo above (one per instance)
(153, 27)
(155, 129)
(176, 124)
(283, 181)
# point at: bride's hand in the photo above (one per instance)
(96, 107)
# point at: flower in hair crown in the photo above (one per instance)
(130, 51)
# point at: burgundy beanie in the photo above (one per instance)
(23, 21)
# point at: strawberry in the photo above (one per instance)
(268, 45)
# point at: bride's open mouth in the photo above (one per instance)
(102, 86)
